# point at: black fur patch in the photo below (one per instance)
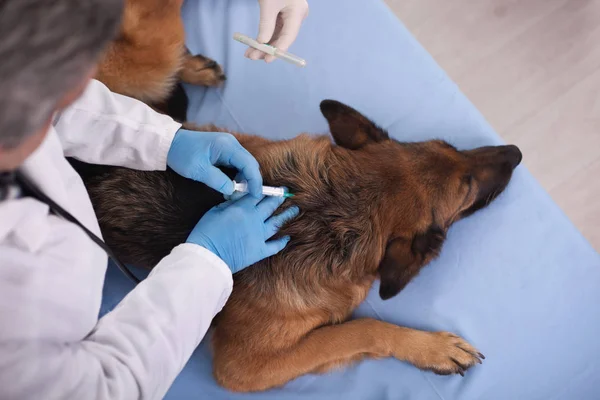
(176, 105)
(145, 214)
(429, 243)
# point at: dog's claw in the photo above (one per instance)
(477, 355)
(461, 368)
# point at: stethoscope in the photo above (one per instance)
(15, 184)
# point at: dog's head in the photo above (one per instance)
(423, 188)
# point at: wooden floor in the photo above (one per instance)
(533, 69)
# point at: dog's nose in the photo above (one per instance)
(513, 155)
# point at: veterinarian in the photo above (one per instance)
(52, 345)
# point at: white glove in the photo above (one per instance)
(280, 22)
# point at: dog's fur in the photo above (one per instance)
(370, 207)
(149, 56)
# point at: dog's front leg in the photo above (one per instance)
(338, 345)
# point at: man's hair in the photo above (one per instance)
(46, 48)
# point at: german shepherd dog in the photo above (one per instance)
(371, 207)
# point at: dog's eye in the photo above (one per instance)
(468, 179)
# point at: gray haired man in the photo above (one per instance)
(52, 345)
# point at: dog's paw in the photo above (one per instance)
(200, 70)
(445, 353)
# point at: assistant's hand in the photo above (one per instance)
(239, 231)
(196, 155)
(280, 22)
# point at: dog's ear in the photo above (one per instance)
(349, 128)
(397, 268)
(404, 258)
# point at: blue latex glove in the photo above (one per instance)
(239, 231)
(196, 155)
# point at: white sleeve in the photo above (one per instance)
(103, 127)
(134, 352)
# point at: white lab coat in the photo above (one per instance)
(52, 345)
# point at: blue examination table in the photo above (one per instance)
(516, 280)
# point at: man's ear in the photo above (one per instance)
(349, 128)
(404, 259)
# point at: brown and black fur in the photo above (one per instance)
(371, 207)
(148, 58)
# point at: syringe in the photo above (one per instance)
(266, 190)
(266, 48)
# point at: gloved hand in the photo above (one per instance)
(279, 25)
(238, 231)
(196, 155)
